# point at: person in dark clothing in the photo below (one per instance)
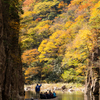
(47, 95)
(37, 90)
(43, 96)
(51, 94)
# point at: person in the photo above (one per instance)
(42, 95)
(51, 94)
(54, 94)
(47, 95)
(37, 90)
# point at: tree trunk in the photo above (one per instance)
(93, 76)
(11, 78)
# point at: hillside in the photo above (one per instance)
(57, 38)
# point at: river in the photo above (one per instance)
(61, 96)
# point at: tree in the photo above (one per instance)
(30, 56)
(11, 77)
(70, 33)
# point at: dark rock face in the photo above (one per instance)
(93, 75)
(11, 78)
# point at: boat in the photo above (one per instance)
(47, 99)
(44, 99)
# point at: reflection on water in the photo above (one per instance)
(92, 97)
(71, 96)
(29, 94)
(61, 96)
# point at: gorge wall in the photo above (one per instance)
(11, 78)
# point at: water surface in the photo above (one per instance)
(71, 96)
(61, 96)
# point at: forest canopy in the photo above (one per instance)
(57, 38)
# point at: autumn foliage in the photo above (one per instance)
(64, 36)
(38, 19)
(30, 56)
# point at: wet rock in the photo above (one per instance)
(63, 87)
(71, 90)
(28, 88)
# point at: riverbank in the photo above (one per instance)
(62, 87)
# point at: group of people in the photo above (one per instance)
(45, 95)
